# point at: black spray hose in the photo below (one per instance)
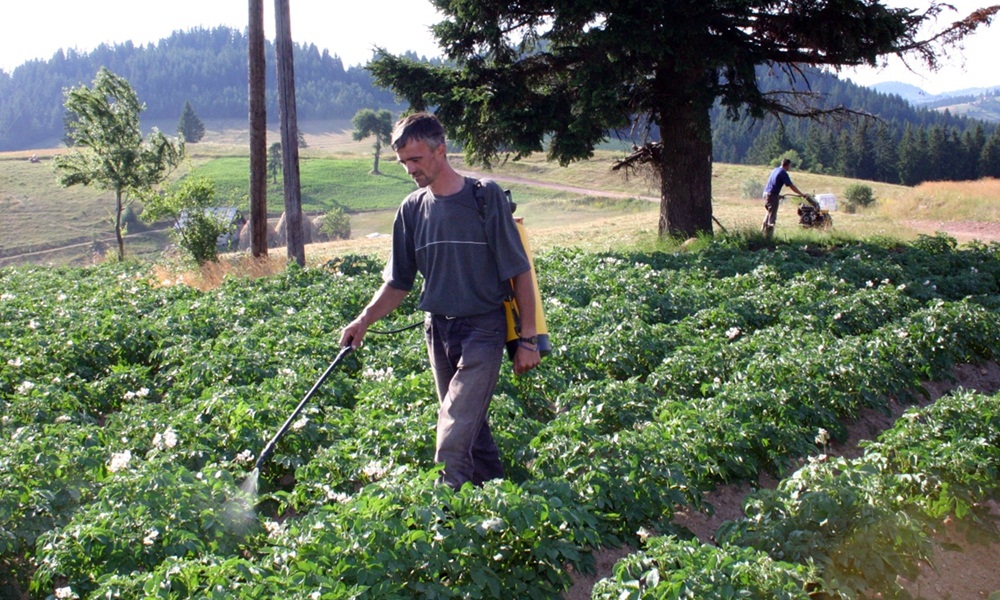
(269, 448)
(399, 330)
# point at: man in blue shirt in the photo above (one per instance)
(772, 192)
(466, 255)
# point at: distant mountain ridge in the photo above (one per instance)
(976, 102)
(917, 95)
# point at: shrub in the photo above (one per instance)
(858, 195)
(199, 235)
(131, 220)
(336, 224)
(752, 188)
(197, 224)
(791, 155)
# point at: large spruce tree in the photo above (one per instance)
(564, 73)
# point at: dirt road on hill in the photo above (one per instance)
(554, 186)
(962, 231)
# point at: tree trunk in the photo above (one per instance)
(685, 171)
(258, 132)
(289, 133)
(378, 152)
(118, 225)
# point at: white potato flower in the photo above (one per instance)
(822, 437)
(167, 439)
(119, 461)
(493, 524)
(375, 470)
(150, 538)
(377, 374)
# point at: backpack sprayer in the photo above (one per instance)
(510, 304)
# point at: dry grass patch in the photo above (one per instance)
(948, 201)
(211, 275)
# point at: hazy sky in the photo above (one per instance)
(36, 29)
(31, 29)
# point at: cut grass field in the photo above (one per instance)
(586, 204)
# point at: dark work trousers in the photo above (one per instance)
(465, 355)
(771, 205)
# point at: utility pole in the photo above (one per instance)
(289, 133)
(258, 132)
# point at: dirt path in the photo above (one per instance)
(963, 231)
(107, 242)
(970, 573)
(554, 186)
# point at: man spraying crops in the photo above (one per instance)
(772, 192)
(466, 259)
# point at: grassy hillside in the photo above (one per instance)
(585, 203)
(982, 108)
(326, 182)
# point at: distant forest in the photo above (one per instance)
(208, 68)
(903, 144)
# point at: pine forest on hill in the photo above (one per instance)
(207, 67)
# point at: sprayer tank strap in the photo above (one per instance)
(480, 194)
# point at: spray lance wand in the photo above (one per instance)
(269, 448)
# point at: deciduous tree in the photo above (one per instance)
(274, 161)
(377, 124)
(562, 74)
(108, 149)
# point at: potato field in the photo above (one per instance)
(133, 409)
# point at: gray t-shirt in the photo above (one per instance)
(465, 259)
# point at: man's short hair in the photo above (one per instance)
(421, 127)
(787, 162)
